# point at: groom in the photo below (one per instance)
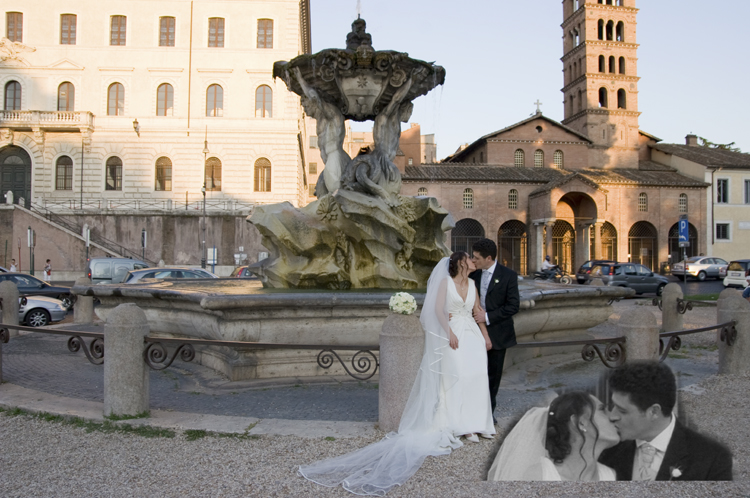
(655, 445)
(498, 291)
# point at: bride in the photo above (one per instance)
(561, 442)
(449, 397)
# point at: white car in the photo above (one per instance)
(737, 273)
(40, 311)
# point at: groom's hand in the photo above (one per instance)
(479, 315)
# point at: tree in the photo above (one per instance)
(711, 145)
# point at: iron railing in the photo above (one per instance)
(683, 305)
(728, 335)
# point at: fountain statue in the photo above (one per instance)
(360, 233)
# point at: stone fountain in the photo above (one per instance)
(335, 261)
(360, 233)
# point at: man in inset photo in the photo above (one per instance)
(655, 445)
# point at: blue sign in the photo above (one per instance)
(684, 231)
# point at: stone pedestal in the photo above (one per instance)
(9, 295)
(401, 351)
(83, 312)
(671, 320)
(125, 372)
(734, 359)
(641, 333)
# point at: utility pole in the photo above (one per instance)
(203, 190)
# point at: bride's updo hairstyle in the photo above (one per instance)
(454, 263)
(572, 404)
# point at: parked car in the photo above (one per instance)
(738, 272)
(135, 276)
(39, 311)
(700, 267)
(112, 270)
(582, 275)
(632, 275)
(243, 272)
(32, 286)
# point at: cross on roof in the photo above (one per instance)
(538, 106)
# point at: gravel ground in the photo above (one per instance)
(43, 458)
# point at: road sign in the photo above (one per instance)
(684, 230)
(684, 244)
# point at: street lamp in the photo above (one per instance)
(203, 190)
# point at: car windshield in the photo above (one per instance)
(694, 259)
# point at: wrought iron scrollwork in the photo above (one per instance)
(674, 344)
(728, 334)
(656, 302)
(362, 362)
(94, 350)
(613, 356)
(157, 357)
(614, 300)
(683, 306)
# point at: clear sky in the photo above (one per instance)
(501, 56)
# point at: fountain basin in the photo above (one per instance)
(241, 310)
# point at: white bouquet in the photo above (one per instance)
(403, 303)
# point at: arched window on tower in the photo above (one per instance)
(572, 104)
(519, 158)
(620, 31)
(558, 159)
(610, 30)
(603, 97)
(580, 101)
(600, 29)
(513, 199)
(622, 99)
(581, 66)
(611, 64)
(539, 158)
(468, 199)
(575, 70)
(622, 65)
(577, 35)
(602, 64)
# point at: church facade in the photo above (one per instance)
(584, 188)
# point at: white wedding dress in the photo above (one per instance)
(450, 397)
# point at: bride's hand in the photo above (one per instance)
(487, 343)
(453, 341)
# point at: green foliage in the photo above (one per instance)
(115, 418)
(711, 145)
(193, 434)
(329, 438)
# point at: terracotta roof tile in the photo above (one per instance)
(480, 173)
(717, 158)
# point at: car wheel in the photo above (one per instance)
(701, 276)
(37, 318)
(538, 279)
(660, 290)
(566, 280)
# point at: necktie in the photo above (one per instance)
(485, 284)
(646, 460)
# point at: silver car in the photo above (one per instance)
(39, 311)
(135, 276)
(700, 267)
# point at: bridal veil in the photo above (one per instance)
(423, 431)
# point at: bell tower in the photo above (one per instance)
(600, 71)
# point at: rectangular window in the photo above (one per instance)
(722, 191)
(747, 191)
(117, 30)
(313, 170)
(313, 141)
(166, 31)
(68, 29)
(216, 32)
(722, 231)
(14, 26)
(265, 33)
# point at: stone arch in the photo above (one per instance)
(643, 244)
(512, 245)
(15, 173)
(465, 233)
(608, 237)
(564, 245)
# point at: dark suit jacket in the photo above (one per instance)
(697, 457)
(502, 303)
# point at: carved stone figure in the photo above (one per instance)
(331, 134)
(10, 50)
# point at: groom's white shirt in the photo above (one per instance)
(483, 289)
(660, 442)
